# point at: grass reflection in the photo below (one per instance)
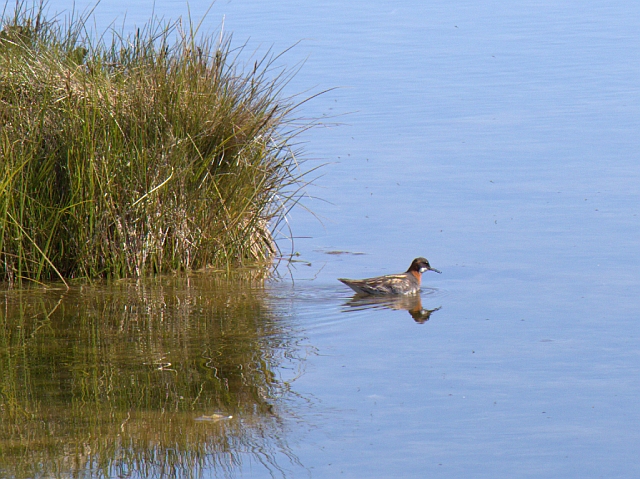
(109, 380)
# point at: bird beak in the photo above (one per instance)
(435, 270)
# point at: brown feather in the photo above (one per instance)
(403, 283)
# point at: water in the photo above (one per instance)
(499, 141)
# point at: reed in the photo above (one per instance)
(142, 154)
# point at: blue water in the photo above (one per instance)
(500, 140)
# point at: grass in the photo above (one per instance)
(148, 153)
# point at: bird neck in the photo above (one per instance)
(417, 275)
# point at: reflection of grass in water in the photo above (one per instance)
(112, 378)
(155, 153)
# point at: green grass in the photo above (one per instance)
(145, 154)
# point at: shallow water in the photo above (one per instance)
(499, 141)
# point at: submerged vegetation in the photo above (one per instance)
(141, 154)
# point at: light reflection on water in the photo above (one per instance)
(412, 304)
(142, 379)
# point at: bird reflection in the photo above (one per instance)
(412, 303)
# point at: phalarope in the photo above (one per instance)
(403, 283)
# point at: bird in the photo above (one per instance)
(403, 283)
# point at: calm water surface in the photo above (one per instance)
(499, 140)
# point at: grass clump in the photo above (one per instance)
(144, 154)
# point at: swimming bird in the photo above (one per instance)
(403, 283)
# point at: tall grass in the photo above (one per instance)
(143, 154)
